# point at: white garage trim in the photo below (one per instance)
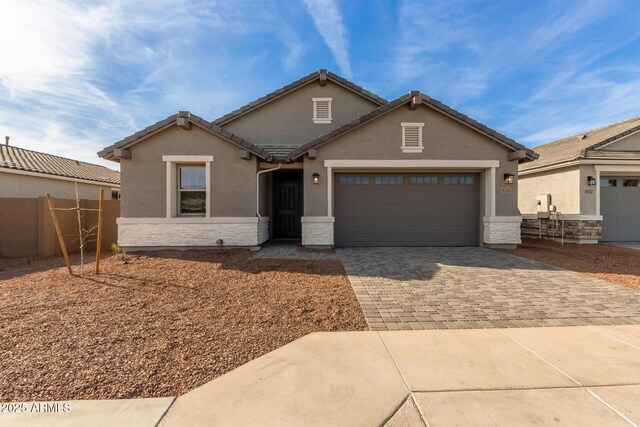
(405, 164)
(488, 165)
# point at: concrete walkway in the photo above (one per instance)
(462, 288)
(583, 376)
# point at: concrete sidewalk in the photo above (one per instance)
(587, 375)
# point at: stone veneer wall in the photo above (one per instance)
(501, 233)
(317, 231)
(167, 234)
(263, 230)
(578, 230)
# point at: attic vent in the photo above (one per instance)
(412, 137)
(322, 110)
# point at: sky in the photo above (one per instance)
(77, 76)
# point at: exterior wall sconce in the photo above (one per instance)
(316, 178)
(591, 180)
(508, 178)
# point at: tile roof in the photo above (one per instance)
(316, 75)
(396, 104)
(171, 121)
(32, 161)
(581, 145)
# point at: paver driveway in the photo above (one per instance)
(428, 288)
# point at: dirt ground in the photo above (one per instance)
(611, 263)
(158, 324)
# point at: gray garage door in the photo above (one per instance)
(620, 208)
(406, 209)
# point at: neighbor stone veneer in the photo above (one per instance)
(317, 232)
(142, 235)
(501, 233)
(582, 231)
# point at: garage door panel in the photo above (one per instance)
(407, 214)
(620, 209)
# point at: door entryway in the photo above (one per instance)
(407, 209)
(287, 205)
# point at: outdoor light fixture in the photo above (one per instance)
(508, 178)
(316, 178)
(591, 180)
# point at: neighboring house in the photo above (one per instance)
(324, 161)
(592, 179)
(28, 174)
(26, 225)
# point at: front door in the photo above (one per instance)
(287, 205)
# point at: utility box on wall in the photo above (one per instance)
(543, 203)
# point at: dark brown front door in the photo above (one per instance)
(287, 205)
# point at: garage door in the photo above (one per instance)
(620, 208)
(406, 209)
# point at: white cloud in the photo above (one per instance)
(76, 76)
(328, 20)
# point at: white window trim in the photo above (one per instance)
(315, 110)
(420, 147)
(172, 181)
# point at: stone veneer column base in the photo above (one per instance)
(141, 233)
(501, 231)
(317, 230)
(575, 230)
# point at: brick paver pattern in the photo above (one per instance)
(462, 288)
(290, 250)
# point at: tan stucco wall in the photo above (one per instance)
(233, 180)
(630, 143)
(563, 185)
(25, 186)
(288, 120)
(443, 138)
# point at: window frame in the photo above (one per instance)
(411, 149)
(322, 120)
(172, 182)
(180, 190)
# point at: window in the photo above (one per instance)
(423, 180)
(412, 137)
(458, 180)
(606, 182)
(631, 183)
(192, 186)
(389, 180)
(115, 194)
(321, 110)
(354, 180)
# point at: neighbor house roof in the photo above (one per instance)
(170, 121)
(582, 145)
(20, 159)
(414, 96)
(321, 74)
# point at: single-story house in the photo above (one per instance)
(26, 225)
(591, 180)
(30, 174)
(324, 161)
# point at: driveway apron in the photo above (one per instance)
(472, 287)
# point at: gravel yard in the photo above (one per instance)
(157, 324)
(611, 263)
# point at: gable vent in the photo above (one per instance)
(322, 110)
(412, 137)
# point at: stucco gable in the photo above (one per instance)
(321, 76)
(414, 100)
(183, 119)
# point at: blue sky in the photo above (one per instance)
(76, 76)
